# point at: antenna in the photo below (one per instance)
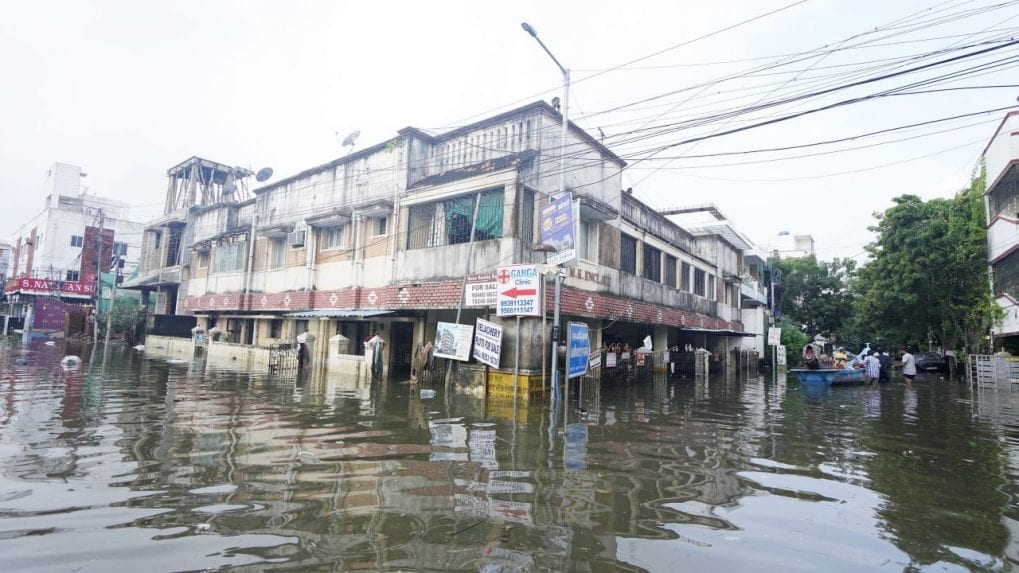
(263, 174)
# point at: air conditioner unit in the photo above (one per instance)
(296, 239)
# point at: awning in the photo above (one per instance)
(337, 313)
(716, 332)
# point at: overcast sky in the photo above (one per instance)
(128, 89)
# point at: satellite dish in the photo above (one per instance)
(350, 139)
(263, 174)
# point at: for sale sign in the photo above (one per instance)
(487, 342)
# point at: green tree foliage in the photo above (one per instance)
(928, 272)
(127, 314)
(794, 339)
(816, 294)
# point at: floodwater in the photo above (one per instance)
(145, 465)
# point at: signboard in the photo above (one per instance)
(774, 336)
(453, 341)
(519, 291)
(75, 289)
(594, 360)
(610, 359)
(481, 290)
(578, 349)
(557, 229)
(487, 342)
(780, 354)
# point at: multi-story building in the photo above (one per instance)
(59, 252)
(380, 241)
(788, 246)
(1001, 162)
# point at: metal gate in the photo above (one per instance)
(283, 358)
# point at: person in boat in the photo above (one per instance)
(826, 361)
(840, 357)
(810, 357)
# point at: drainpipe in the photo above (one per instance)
(309, 255)
(354, 239)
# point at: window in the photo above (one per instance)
(449, 222)
(332, 238)
(230, 257)
(379, 226)
(684, 277)
(587, 240)
(72, 276)
(119, 249)
(1006, 275)
(712, 293)
(698, 282)
(670, 270)
(278, 253)
(77, 240)
(627, 254)
(276, 328)
(203, 260)
(652, 263)
(157, 240)
(527, 218)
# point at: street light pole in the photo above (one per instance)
(564, 104)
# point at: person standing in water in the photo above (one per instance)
(908, 366)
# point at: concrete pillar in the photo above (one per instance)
(323, 334)
(702, 362)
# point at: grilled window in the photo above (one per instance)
(670, 271)
(1006, 275)
(627, 254)
(527, 218)
(229, 257)
(698, 282)
(652, 263)
(684, 278)
(449, 222)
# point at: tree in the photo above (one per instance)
(816, 295)
(927, 277)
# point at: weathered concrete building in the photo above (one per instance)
(380, 241)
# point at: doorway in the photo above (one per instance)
(403, 350)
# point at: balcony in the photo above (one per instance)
(752, 292)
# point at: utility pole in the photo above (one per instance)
(113, 298)
(99, 272)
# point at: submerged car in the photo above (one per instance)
(931, 362)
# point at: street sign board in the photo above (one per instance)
(579, 349)
(481, 290)
(557, 229)
(487, 342)
(519, 291)
(453, 341)
(774, 336)
(780, 355)
(594, 360)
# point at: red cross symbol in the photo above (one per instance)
(503, 276)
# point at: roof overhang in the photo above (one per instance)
(281, 230)
(337, 313)
(595, 210)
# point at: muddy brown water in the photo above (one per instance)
(143, 465)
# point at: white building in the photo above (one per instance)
(1001, 158)
(789, 246)
(56, 253)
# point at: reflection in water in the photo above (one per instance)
(141, 463)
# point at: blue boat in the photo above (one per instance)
(831, 376)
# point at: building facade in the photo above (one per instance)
(1001, 164)
(380, 241)
(59, 253)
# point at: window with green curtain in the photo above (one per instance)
(490, 213)
(459, 212)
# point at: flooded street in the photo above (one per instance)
(147, 465)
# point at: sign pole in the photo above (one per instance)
(467, 269)
(516, 372)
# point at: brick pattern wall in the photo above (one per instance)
(446, 295)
